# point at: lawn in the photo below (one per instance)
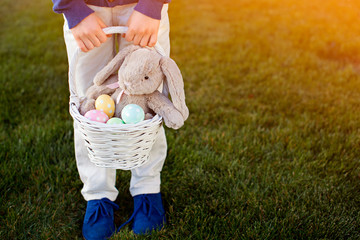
(271, 149)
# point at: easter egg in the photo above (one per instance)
(115, 120)
(97, 116)
(105, 104)
(132, 113)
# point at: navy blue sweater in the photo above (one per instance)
(76, 10)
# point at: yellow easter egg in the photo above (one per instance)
(105, 104)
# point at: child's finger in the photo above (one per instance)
(153, 40)
(102, 25)
(144, 41)
(137, 39)
(81, 45)
(101, 36)
(88, 44)
(95, 41)
(129, 36)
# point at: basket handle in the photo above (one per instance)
(74, 99)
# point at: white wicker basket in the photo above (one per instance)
(120, 146)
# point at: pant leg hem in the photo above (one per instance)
(145, 190)
(100, 195)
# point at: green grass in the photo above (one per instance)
(270, 151)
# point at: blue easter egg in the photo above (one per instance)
(132, 113)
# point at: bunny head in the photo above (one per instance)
(142, 70)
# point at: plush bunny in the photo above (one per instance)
(141, 71)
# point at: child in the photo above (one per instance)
(147, 22)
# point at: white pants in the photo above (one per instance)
(100, 182)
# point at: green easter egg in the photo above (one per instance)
(115, 120)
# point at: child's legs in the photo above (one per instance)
(146, 179)
(98, 182)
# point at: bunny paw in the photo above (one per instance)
(87, 105)
(148, 116)
(175, 120)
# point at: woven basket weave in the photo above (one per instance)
(120, 146)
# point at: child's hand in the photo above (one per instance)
(143, 30)
(88, 33)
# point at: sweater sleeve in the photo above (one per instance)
(74, 10)
(151, 8)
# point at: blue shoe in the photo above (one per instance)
(149, 213)
(99, 219)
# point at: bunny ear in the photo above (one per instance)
(175, 84)
(113, 65)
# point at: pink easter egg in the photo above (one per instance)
(97, 116)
